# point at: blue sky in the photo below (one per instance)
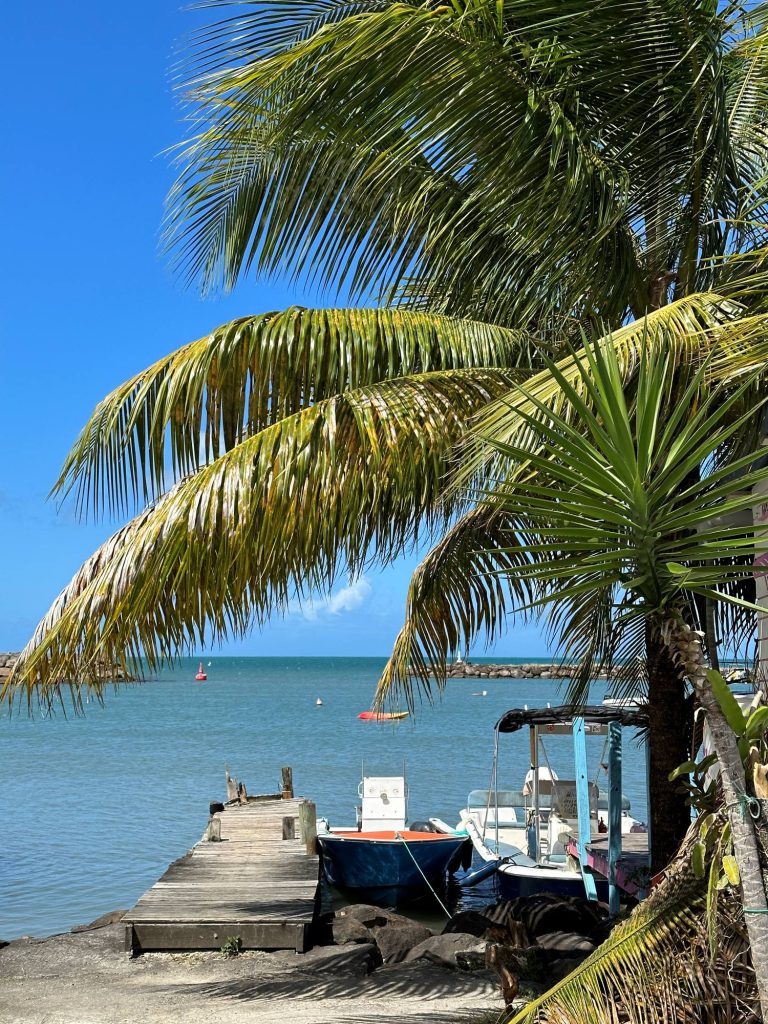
(87, 300)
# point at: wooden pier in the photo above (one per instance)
(256, 888)
(632, 866)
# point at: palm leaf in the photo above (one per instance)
(455, 594)
(700, 327)
(209, 395)
(280, 514)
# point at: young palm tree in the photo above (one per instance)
(510, 175)
(631, 510)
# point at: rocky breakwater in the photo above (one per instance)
(7, 661)
(474, 670)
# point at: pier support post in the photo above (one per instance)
(289, 827)
(308, 826)
(287, 774)
(614, 813)
(582, 802)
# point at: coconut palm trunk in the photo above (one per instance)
(686, 649)
(668, 746)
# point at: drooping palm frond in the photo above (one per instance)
(700, 327)
(353, 477)
(466, 590)
(656, 967)
(206, 397)
(454, 595)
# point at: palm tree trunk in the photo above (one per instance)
(686, 649)
(668, 747)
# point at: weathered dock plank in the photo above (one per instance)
(253, 885)
(633, 866)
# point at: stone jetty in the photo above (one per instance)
(7, 661)
(533, 670)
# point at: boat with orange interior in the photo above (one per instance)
(381, 861)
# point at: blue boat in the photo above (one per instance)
(379, 860)
(389, 868)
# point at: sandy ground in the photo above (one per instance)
(86, 978)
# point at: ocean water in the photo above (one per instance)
(94, 808)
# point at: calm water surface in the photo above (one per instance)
(95, 808)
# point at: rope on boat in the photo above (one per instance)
(418, 867)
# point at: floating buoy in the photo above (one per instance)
(201, 676)
(480, 693)
(319, 702)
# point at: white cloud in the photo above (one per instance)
(348, 599)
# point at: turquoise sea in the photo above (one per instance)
(94, 808)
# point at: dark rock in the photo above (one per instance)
(356, 959)
(470, 922)
(546, 912)
(470, 960)
(372, 916)
(561, 968)
(442, 949)
(396, 942)
(347, 929)
(566, 943)
(601, 931)
(112, 917)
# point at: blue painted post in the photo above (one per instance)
(614, 813)
(582, 803)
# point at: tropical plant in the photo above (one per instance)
(512, 174)
(634, 510)
(555, 168)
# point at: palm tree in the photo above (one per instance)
(509, 176)
(615, 517)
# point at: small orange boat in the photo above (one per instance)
(201, 676)
(382, 716)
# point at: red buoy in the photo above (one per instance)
(201, 676)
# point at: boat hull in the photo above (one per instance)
(513, 882)
(388, 868)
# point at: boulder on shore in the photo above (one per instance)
(442, 949)
(395, 943)
(356, 959)
(348, 929)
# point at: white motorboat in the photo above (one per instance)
(527, 837)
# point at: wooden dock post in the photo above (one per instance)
(289, 828)
(308, 826)
(582, 802)
(287, 774)
(231, 785)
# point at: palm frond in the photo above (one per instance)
(455, 595)
(206, 397)
(701, 327)
(279, 515)
(528, 159)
